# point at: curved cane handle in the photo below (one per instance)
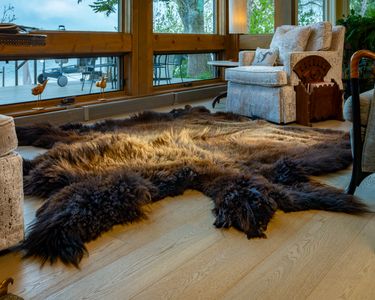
(4, 286)
(355, 59)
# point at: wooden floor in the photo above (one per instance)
(178, 254)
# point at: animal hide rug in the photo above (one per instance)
(96, 176)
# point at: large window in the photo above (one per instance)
(311, 11)
(180, 68)
(77, 15)
(261, 15)
(182, 16)
(66, 77)
(87, 40)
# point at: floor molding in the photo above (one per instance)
(108, 109)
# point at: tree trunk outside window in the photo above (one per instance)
(191, 14)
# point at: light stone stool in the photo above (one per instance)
(11, 186)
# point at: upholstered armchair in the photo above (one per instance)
(360, 109)
(268, 91)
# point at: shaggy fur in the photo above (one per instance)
(97, 176)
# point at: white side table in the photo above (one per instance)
(222, 64)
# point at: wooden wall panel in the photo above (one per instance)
(188, 42)
(145, 51)
(72, 44)
(251, 42)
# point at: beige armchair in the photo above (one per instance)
(268, 91)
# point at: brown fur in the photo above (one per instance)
(97, 176)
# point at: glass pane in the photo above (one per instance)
(310, 12)
(79, 15)
(180, 68)
(67, 77)
(261, 16)
(363, 8)
(179, 16)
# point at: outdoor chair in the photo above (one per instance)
(87, 67)
(161, 69)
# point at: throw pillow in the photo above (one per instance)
(290, 39)
(320, 37)
(265, 57)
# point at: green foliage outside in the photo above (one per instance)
(260, 16)
(365, 8)
(166, 18)
(310, 11)
(104, 6)
(180, 16)
(182, 71)
(360, 34)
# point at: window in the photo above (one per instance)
(180, 68)
(261, 16)
(179, 16)
(364, 8)
(66, 77)
(81, 30)
(311, 11)
(77, 15)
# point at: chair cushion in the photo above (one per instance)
(365, 101)
(8, 138)
(320, 37)
(258, 75)
(290, 39)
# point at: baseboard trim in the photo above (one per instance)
(118, 107)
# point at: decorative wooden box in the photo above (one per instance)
(316, 100)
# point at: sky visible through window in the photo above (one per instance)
(49, 14)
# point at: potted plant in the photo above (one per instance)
(360, 34)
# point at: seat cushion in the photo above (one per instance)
(274, 104)
(8, 138)
(258, 75)
(365, 101)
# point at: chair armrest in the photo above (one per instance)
(295, 57)
(333, 57)
(245, 58)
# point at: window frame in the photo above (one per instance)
(135, 43)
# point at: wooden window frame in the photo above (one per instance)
(135, 44)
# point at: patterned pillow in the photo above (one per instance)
(290, 39)
(265, 57)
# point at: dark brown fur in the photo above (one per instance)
(97, 176)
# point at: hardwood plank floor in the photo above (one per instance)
(177, 254)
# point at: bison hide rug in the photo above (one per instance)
(96, 176)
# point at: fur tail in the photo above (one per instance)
(81, 212)
(306, 196)
(52, 241)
